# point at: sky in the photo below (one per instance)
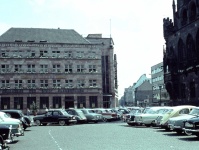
(136, 27)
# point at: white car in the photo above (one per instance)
(149, 117)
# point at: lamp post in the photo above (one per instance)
(160, 87)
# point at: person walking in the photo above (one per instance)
(28, 112)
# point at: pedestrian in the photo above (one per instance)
(28, 112)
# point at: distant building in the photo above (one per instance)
(160, 95)
(56, 68)
(181, 56)
(139, 93)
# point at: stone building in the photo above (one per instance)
(56, 68)
(181, 56)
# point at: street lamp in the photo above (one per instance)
(160, 87)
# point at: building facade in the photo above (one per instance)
(160, 95)
(56, 68)
(181, 56)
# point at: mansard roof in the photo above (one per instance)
(68, 36)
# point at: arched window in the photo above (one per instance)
(191, 52)
(192, 11)
(181, 51)
(184, 17)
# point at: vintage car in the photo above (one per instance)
(55, 116)
(5, 136)
(149, 117)
(18, 114)
(91, 115)
(107, 115)
(124, 112)
(16, 127)
(79, 115)
(162, 120)
(131, 116)
(177, 123)
(191, 126)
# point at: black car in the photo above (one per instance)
(5, 136)
(191, 126)
(18, 114)
(55, 116)
(79, 115)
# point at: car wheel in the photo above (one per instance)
(105, 119)
(44, 124)
(62, 122)
(187, 132)
(147, 125)
(130, 124)
(37, 122)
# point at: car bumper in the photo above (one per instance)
(191, 130)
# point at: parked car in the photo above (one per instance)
(5, 137)
(162, 120)
(149, 117)
(79, 115)
(18, 114)
(124, 112)
(177, 123)
(130, 118)
(91, 115)
(16, 127)
(55, 116)
(191, 126)
(107, 115)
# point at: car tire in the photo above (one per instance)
(44, 124)
(62, 122)
(178, 131)
(104, 119)
(187, 133)
(37, 122)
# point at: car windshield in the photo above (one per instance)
(91, 111)
(64, 112)
(168, 111)
(194, 112)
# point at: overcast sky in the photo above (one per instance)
(136, 27)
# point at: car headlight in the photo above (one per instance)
(187, 124)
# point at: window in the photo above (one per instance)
(80, 83)
(43, 53)
(5, 84)
(31, 84)
(56, 68)
(68, 54)
(43, 68)
(5, 68)
(18, 68)
(92, 68)
(18, 84)
(68, 68)
(43, 83)
(80, 68)
(69, 83)
(18, 102)
(4, 54)
(31, 68)
(55, 54)
(92, 55)
(92, 83)
(56, 83)
(80, 54)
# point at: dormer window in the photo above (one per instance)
(31, 41)
(18, 40)
(43, 41)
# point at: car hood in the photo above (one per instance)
(12, 120)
